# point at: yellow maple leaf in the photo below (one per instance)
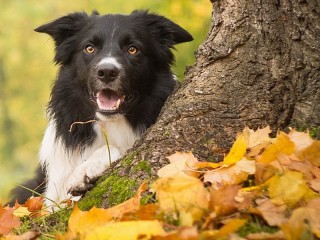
(180, 163)
(237, 151)
(21, 212)
(282, 145)
(288, 188)
(141, 230)
(182, 194)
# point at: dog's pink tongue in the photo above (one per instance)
(107, 101)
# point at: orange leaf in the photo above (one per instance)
(81, 221)
(34, 204)
(7, 220)
(223, 200)
(145, 212)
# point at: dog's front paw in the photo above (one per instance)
(81, 181)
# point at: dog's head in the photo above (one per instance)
(117, 57)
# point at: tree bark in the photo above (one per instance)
(259, 65)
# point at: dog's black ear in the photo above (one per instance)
(63, 27)
(63, 31)
(164, 29)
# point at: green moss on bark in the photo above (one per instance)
(114, 189)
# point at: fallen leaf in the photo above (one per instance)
(301, 140)
(21, 212)
(311, 153)
(208, 165)
(141, 230)
(302, 221)
(184, 233)
(180, 163)
(315, 184)
(231, 175)
(34, 204)
(222, 201)
(237, 151)
(182, 194)
(25, 236)
(273, 214)
(82, 221)
(145, 212)
(266, 236)
(229, 228)
(258, 137)
(7, 220)
(281, 145)
(288, 188)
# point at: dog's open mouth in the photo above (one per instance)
(109, 101)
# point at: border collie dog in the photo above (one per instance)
(115, 70)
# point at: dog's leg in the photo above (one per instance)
(82, 179)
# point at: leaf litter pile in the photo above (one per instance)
(265, 188)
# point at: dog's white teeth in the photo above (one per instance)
(118, 103)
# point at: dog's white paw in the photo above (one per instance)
(81, 180)
(85, 175)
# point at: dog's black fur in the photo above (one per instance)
(145, 78)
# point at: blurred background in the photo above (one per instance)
(27, 70)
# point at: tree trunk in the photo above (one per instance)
(259, 65)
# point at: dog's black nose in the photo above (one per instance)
(108, 72)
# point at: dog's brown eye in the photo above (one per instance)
(133, 50)
(89, 49)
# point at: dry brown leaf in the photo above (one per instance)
(273, 214)
(222, 201)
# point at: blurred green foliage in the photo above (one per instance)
(27, 72)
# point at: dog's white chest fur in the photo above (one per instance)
(67, 170)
